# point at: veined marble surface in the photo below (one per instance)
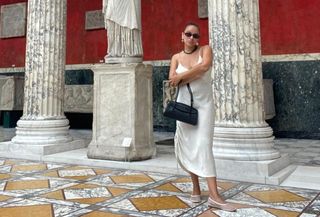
(32, 188)
(241, 132)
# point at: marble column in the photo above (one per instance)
(241, 132)
(43, 122)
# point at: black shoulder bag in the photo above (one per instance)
(182, 112)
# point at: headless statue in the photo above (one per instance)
(122, 20)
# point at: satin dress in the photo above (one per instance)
(193, 144)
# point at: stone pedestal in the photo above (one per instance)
(43, 128)
(241, 132)
(262, 171)
(122, 113)
(122, 60)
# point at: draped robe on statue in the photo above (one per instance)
(122, 21)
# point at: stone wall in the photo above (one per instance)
(296, 87)
(297, 98)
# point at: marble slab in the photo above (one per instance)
(122, 114)
(13, 20)
(94, 20)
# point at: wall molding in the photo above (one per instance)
(158, 62)
(291, 57)
(14, 69)
(265, 58)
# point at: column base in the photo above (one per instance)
(118, 153)
(42, 132)
(266, 172)
(244, 143)
(32, 150)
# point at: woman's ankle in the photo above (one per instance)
(196, 192)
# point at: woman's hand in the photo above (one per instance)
(172, 74)
(175, 80)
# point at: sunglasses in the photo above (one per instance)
(189, 34)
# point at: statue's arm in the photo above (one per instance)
(104, 5)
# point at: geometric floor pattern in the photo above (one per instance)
(43, 189)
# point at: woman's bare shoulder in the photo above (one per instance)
(205, 47)
(205, 50)
(175, 57)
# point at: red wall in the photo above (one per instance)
(287, 27)
(290, 26)
(84, 46)
(162, 24)
(12, 50)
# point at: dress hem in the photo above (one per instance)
(196, 173)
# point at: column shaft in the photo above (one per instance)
(43, 119)
(45, 60)
(240, 129)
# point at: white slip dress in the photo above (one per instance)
(193, 144)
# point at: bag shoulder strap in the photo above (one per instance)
(190, 91)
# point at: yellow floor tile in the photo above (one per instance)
(58, 195)
(117, 191)
(226, 185)
(52, 174)
(101, 171)
(275, 196)
(158, 203)
(168, 187)
(184, 179)
(27, 211)
(282, 213)
(4, 176)
(141, 178)
(28, 184)
(33, 167)
(4, 197)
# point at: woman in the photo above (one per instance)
(193, 144)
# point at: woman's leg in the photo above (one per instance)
(215, 200)
(195, 182)
(213, 190)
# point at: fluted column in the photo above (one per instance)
(241, 132)
(43, 120)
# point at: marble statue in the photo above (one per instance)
(123, 23)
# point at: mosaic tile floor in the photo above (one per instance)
(301, 151)
(41, 189)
